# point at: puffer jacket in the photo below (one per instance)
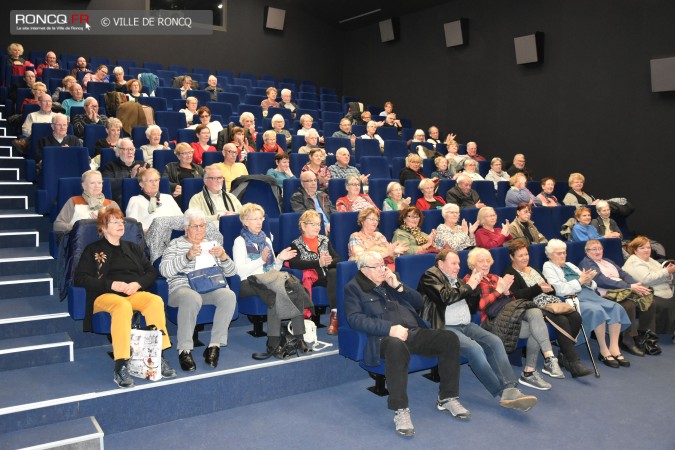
(507, 323)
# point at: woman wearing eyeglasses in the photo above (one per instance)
(410, 220)
(215, 127)
(354, 200)
(317, 259)
(176, 172)
(151, 203)
(369, 239)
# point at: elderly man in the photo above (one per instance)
(462, 195)
(450, 298)
(309, 197)
(43, 115)
(391, 121)
(124, 166)
(287, 103)
(345, 131)
(90, 117)
(80, 66)
(26, 82)
(379, 305)
(518, 165)
(434, 136)
(342, 169)
(213, 199)
(472, 152)
(50, 63)
(77, 98)
(212, 88)
(230, 168)
(58, 138)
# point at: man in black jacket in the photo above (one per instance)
(462, 195)
(309, 197)
(58, 137)
(451, 297)
(379, 305)
(124, 166)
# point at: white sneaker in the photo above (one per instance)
(454, 407)
(534, 381)
(404, 425)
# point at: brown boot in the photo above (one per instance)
(333, 327)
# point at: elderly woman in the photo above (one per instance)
(253, 255)
(186, 85)
(212, 87)
(66, 83)
(369, 239)
(597, 313)
(182, 256)
(287, 103)
(203, 143)
(455, 160)
(270, 142)
(151, 203)
(577, 197)
(15, 57)
(603, 224)
(546, 195)
(657, 276)
(354, 200)
(154, 135)
(247, 122)
(38, 90)
(488, 236)
(114, 129)
(85, 206)
(442, 172)
(240, 141)
(134, 87)
(395, 200)
(270, 101)
(523, 229)
(519, 192)
(311, 142)
(450, 233)
(410, 220)
(119, 81)
(116, 275)
(428, 199)
(100, 76)
(412, 169)
(583, 230)
(495, 295)
(278, 124)
(371, 133)
(314, 252)
(306, 121)
(529, 284)
(616, 284)
(190, 110)
(471, 170)
(282, 171)
(318, 167)
(176, 172)
(496, 174)
(215, 127)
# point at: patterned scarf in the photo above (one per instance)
(95, 203)
(255, 244)
(153, 202)
(420, 238)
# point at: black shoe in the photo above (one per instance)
(121, 376)
(632, 349)
(577, 369)
(278, 352)
(186, 361)
(563, 362)
(167, 371)
(623, 362)
(613, 363)
(301, 346)
(211, 355)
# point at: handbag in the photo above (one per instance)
(558, 308)
(146, 352)
(207, 279)
(494, 308)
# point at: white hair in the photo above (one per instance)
(193, 214)
(367, 257)
(554, 245)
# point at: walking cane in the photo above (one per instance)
(583, 330)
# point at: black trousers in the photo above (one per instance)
(442, 344)
(570, 323)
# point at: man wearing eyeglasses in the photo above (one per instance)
(124, 166)
(90, 117)
(58, 138)
(379, 305)
(230, 168)
(309, 197)
(213, 199)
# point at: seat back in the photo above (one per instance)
(172, 120)
(298, 161)
(377, 189)
(388, 133)
(291, 185)
(367, 147)
(486, 192)
(411, 267)
(202, 97)
(342, 226)
(432, 219)
(260, 163)
(335, 143)
(376, 166)
(157, 103)
(221, 109)
(191, 186)
(93, 133)
(58, 162)
(209, 158)
(395, 148)
(388, 223)
(262, 193)
(160, 158)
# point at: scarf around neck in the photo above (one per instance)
(416, 233)
(229, 205)
(95, 203)
(153, 202)
(255, 244)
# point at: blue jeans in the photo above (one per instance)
(486, 355)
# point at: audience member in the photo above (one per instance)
(215, 127)
(57, 138)
(134, 87)
(583, 230)
(487, 235)
(26, 81)
(150, 203)
(462, 195)
(522, 228)
(371, 133)
(496, 174)
(433, 136)
(317, 166)
(442, 172)
(66, 83)
(213, 199)
(184, 168)
(124, 166)
(278, 124)
(203, 143)
(230, 168)
(342, 169)
(90, 117)
(605, 226)
(42, 115)
(282, 169)
(354, 200)
(470, 169)
(190, 110)
(410, 220)
(100, 76)
(546, 195)
(113, 130)
(50, 62)
(519, 192)
(518, 165)
(154, 136)
(76, 98)
(388, 109)
(270, 143)
(345, 131)
(80, 66)
(429, 199)
(412, 169)
(241, 142)
(311, 142)
(185, 86)
(309, 197)
(472, 152)
(395, 200)
(119, 81)
(270, 101)
(287, 103)
(213, 88)
(451, 234)
(368, 239)
(85, 206)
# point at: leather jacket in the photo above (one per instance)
(438, 293)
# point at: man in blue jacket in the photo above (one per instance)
(379, 305)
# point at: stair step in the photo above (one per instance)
(6, 151)
(20, 254)
(34, 351)
(13, 202)
(28, 309)
(84, 434)
(26, 285)
(10, 174)
(19, 238)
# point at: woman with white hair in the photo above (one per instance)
(190, 110)
(597, 313)
(154, 135)
(287, 103)
(453, 235)
(150, 203)
(270, 142)
(395, 200)
(278, 124)
(429, 200)
(488, 236)
(311, 142)
(496, 174)
(354, 200)
(247, 122)
(85, 206)
(119, 82)
(470, 167)
(114, 130)
(179, 259)
(423, 151)
(371, 133)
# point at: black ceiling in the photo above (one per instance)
(336, 11)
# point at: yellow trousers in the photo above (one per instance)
(122, 309)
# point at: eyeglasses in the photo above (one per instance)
(314, 224)
(215, 178)
(373, 219)
(256, 219)
(185, 153)
(562, 252)
(412, 217)
(595, 249)
(380, 267)
(200, 226)
(127, 149)
(204, 115)
(354, 184)
(232, 152)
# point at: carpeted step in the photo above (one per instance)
(26, 285)
(19, 238)
(39, 350)
(25, 260)
(80, 434)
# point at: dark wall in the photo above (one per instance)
(587, 108)
(296, 52)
